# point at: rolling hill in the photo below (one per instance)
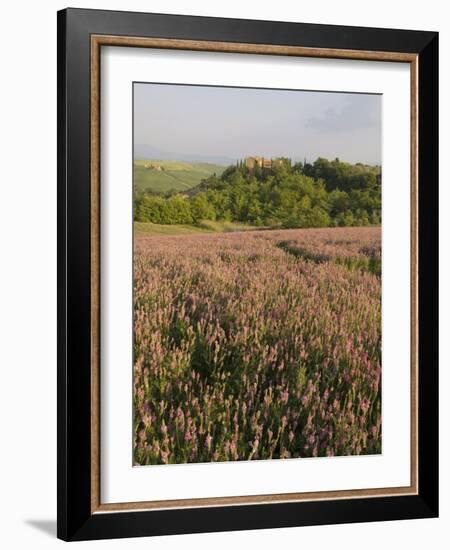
(160, 176)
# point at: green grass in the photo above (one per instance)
(173, 176)
(204, 227)
(363, 263)
(371, 264)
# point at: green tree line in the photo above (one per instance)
(320, 194)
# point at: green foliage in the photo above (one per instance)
(174, 210)
(325, 193)
(201, 208)
(344, 176)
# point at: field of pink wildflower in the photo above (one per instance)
(257, 345)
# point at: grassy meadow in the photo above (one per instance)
(260, 344)
(206, 226)
(160, 176)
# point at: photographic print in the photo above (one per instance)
(257, 274)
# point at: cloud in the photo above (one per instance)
(355, 115)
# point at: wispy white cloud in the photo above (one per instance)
(357, 114)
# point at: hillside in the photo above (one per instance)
(160, 176)
(323, 194)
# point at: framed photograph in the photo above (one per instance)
(247, 254)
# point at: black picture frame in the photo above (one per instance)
(75, 519)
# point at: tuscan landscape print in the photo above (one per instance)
(257, 274)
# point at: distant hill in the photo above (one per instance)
(149, 152)
(160, 176)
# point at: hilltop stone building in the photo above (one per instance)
(262, 162)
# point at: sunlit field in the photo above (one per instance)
(257, 345)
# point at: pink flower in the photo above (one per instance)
(165, 456)
(284, 396)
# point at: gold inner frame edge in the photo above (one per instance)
(97, 41)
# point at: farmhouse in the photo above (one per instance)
(151, 166)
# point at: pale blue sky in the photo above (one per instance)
(219, 124)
